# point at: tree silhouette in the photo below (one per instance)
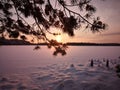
(14, 15)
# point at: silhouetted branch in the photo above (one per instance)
(14, 23)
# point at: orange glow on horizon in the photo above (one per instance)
(59, 38)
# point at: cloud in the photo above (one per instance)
(111, 34)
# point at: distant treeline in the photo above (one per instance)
(93, 44)
(22, 42)
(13, 42)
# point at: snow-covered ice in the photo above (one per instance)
(62, 77)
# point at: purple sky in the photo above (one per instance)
(109, 12)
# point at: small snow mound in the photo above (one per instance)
(70, 69)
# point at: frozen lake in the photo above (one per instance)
(22, 68)
(13, 58)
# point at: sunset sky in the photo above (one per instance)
(109, 12)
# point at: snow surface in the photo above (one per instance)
(62, 77)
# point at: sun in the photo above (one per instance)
(59, 38)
